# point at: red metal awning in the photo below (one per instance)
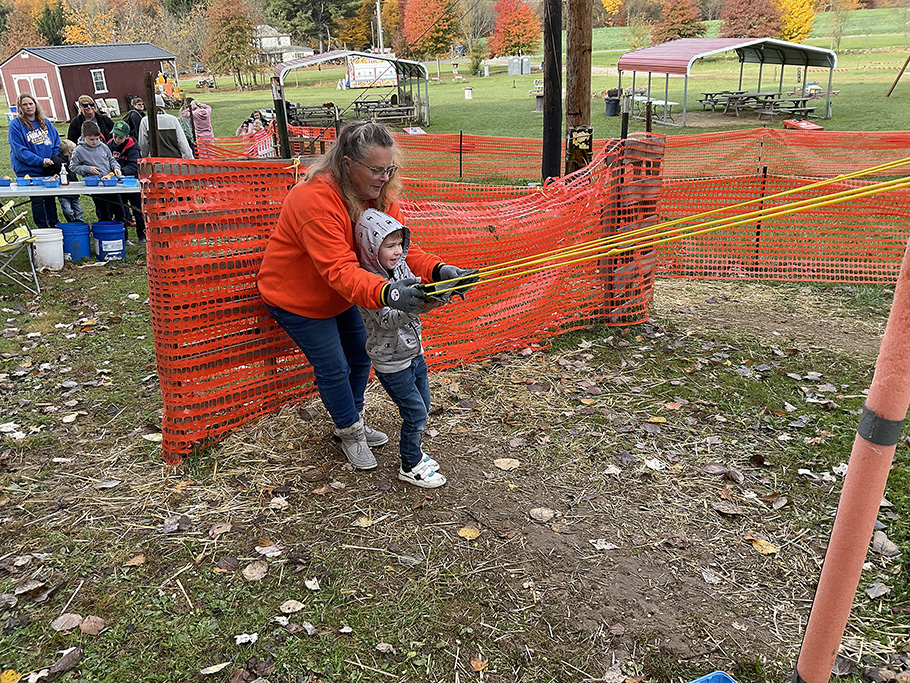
(677, 56)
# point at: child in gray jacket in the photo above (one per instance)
(93, 157)
(394, 346)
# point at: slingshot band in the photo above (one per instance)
(877, 429)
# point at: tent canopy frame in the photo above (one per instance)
(677, 57)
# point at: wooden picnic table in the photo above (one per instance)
(667, 105)
(717, 98)
(744, 100)
(786, 105)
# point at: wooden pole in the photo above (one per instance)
(893, 85)
(551, 163)
(153, 113)
(579, 29)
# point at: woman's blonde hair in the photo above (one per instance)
(85, 99)
(355, 141)
(39, 115)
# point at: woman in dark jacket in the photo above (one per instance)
(134, 116)
(89, 112)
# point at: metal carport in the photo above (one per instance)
(410, 74)
(677, 57)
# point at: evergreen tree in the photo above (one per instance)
(51, 22)
(750, 19)
(796, 19)
(680, 19)
(517, 29)
(430, 26)
(316, 21)
(229, 44)
(5, 9)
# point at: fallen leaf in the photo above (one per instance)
(270, 550)
(883, 546)
(92, 625)
(65, 622)
(256, 570)
(8, 600)
(135, 561)
(715, 468)
(478, 664)
(28, 587)
(469, 532)
(278, 503)
(656, 420)
(290, 606)
(602, 544)
(154, 438)
(246, 638)
(109, 484)
(67, 662)
(363, 522)
(226, 564)
(727, 509)
(507, 463)
(710, 577)
(763, 546)
(560, 529)
(69, 418)
(215, 668)
(542, 514)
(309, 628)
(312, 584)
(10, 676)
(877, 590)
(345, 630)
(220, 528)
(654, 464)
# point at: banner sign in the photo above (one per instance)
(366, 72)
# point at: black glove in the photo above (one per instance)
(466, 278)
(404, 295)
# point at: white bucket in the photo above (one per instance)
(469, 93)
(48, 248)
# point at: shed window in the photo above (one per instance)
(98, 80)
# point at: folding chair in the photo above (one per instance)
(14, 237)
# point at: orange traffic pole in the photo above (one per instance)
(867, 473)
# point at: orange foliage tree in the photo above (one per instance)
(20, 30)
(430, 26)
(680, 19)
(517, 29)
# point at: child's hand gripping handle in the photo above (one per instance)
(404, 295)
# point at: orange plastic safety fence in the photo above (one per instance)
(221, 359)
(861, 240)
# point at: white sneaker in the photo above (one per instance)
(422, 475)
(428, 461)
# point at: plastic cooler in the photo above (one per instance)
(716, 677)
(109, 240)
(799, 124)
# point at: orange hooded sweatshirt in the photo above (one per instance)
(310, 267)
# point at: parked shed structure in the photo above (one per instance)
(56, 75)
(413, 77)
(677, 57)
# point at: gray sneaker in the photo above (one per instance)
(373, 436)
(354, 445)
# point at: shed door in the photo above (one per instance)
(38, 86)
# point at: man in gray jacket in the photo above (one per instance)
(394, 346)
(172, 140)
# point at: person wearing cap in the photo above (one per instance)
(172, 140)
(126, 152)
(88, 111)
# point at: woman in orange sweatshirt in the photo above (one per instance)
(311, 281)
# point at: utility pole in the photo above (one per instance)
(579, 134)
(379, 24)
(551, 164)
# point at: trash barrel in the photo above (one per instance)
(611, 105)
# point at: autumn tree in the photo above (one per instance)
(680, 20)
(517, 29)
(796, 19)
(750, 19)
(20, 31)
(316, 22)
(184, 35)
(51, 22)
(392, 27)
(430, 26)
(229, 46)
(5, 9)
(89, 22)
(841, 10)
(612, 10)
(638, 34)
(357, 31)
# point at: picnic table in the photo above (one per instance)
(717, 98)
(363, 108)
(797, 106)
(641, 101)
(755, 100)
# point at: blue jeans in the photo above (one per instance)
(336, 348)
(72, 209)
(44, 212)
(410, 389)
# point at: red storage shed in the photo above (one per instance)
(58, 74)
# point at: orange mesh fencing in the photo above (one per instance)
(221, 359)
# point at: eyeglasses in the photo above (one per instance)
(379, 171)
(87, 105)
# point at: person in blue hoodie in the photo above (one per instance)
(33, 143)
(125, 151)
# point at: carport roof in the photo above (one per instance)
(404, 68)
(677, 56)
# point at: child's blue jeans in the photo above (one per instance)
(410, 390)
(72, 209)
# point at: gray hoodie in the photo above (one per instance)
(393, 337)
(99, 156)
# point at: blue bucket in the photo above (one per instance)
(109, 240)
(76, 244)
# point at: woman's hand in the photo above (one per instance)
(404, 295)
